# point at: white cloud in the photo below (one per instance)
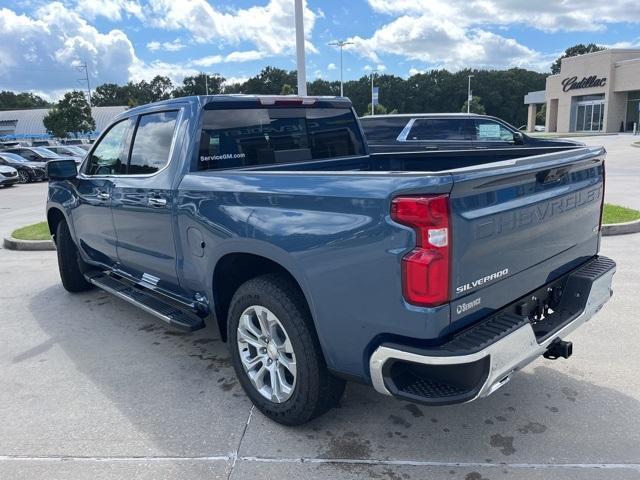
(111, 9)
(38, 52)
(233, 57)
(546, 15)
(331, 66)
(140, 70)
(246, 56)
(446, 44)
(270, 28)
(173, 46)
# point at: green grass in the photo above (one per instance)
(37, 231)
(618, 214)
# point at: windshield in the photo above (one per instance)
(45, 152)
(73, 150)
(13, 157)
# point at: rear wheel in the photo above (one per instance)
(70, 264)
(276, 353)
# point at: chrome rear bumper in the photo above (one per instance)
(507, 355)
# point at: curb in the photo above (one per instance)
(11, 243)
(621, 228)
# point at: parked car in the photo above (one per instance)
(320, 262)
(84, 146)
(8, 176)
(536, 128)
(69, 151)
(27, 171)
(36, 154)
(450, 131)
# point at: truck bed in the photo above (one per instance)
(423, 161)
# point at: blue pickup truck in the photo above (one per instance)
(432, 276)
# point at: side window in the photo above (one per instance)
(490, 131)
(28, 154)
(152, 142)
(109, 157)
(441, 129)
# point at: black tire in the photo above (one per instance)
(70, 264)
(25, 176)
(315, 390)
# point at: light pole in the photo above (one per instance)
(302, 73)
(341, 44)
(469, 94)
(373, 110)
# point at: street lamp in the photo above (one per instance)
(469, 94)
(341, 44)
(373, 112)
(302, 74)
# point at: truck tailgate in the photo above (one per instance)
(540, 215)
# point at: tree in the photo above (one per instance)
(380, 110)
(110, 95)
(72, 114)
(541, 115)
(270, 81)
(476, 106)
(198, 85)
(11, 100)
(161, 88)
(579, 49)
(286, 89)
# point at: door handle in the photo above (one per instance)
(103, 196)
(157, 201)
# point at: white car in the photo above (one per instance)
(8, 176)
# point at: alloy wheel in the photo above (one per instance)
(266, 354)
(23, 176)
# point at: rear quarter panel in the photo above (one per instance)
(332, 232)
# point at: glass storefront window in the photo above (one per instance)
(589, 113)
(633, 110)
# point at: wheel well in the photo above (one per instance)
(54, 217)
(233, 270)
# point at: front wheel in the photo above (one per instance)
(276, 353)
(24, 176)
(70, 264)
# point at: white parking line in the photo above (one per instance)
(234, 457)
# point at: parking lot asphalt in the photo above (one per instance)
(91, 387)
(623, 168)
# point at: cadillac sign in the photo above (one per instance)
(572, 83)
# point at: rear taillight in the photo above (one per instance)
(425, 270)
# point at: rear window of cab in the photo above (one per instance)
(248, 137)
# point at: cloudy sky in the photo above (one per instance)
(123, 40)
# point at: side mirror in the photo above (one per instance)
(518, 138)
(61, 169)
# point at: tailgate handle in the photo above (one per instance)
(552, 175)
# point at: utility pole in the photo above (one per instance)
(206, 84)
(81, 67)
(469, 97)
(302, 73)
(341, 44)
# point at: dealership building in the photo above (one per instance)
(595, 92)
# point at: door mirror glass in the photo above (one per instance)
(61, 169)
